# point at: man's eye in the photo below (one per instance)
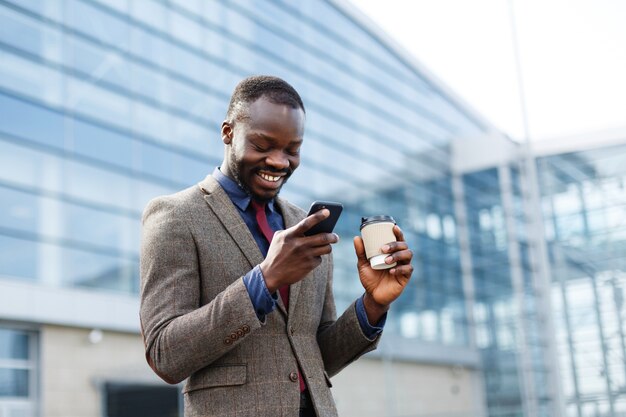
(293, 152)
(260, 148)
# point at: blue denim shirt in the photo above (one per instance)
(263, 301)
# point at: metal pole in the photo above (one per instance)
(538, 253)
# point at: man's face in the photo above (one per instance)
(263, 149)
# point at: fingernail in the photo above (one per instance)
(337, 236)
(389, 259)
(385, 248)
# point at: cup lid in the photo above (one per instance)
(376, 219)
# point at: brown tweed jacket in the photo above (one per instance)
(198, 321)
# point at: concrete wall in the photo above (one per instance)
(72, 368)
(375, 388)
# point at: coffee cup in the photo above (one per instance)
(376, 232)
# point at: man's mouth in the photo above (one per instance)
(270, 178)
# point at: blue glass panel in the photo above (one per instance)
(192, 170)
(114, 231)
(100, 143)
(96, 62)
(97, 23)
(13, 344)
(29, 167)
(157, 161)
(86, 269)
(18, 258)
(14, 382)
(19, 210)
(28, 34)
(98, 185)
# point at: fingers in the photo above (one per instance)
(398, 232)
(310, 221)
(401, 257)
(402, 270)
(321, 239)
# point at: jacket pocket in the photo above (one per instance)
(217, 376)
(327, 378)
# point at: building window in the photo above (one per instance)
(131, 400)
(18, 372)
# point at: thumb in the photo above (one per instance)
(359, 249)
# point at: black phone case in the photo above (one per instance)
(327, 225)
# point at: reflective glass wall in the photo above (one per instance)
(107, 104)
(509, 323)
(584, 205)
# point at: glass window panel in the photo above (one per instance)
(18, 258)
(94, 101)
(94, 22)
(29, 34)
(87, 269)
(14, 382)
(100, 143)
(151, 83)
(20, 165)
(186, 30)
(19, 210)
(192, 170)
(115, 231)
(149, 47)
(30, 79)
(150, 12)
(98, 185)
(157, 161)
(13, 344)
(17, 116)
(96, 62)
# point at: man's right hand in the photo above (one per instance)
(292, 255)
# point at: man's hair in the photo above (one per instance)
(274, 89)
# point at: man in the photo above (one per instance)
(234, 296)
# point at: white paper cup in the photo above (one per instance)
(376, 232)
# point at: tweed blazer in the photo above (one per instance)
(198, 321)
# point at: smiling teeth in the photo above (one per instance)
(269, 177)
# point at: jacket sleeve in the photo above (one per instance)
(341, 340)
(180, 335)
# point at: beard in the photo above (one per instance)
(237, 167)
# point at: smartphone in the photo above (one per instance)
(328, 224)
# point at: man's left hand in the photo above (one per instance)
(382, 287)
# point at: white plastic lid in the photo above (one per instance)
(378, 262)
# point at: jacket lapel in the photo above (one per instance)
(227, 213)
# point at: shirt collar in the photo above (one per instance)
(236, 194)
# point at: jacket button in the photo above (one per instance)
(234, 336)
(228, 341)
(245, 328)
(239, 332)
(293, 376)
(292, 330)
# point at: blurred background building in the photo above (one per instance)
(516, 305)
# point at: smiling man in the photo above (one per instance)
(234, 297)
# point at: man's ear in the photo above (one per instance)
(227, 132)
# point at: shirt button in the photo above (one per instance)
(293, 376)
(292, 330)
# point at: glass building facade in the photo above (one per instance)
(584, 205)
(105, 104)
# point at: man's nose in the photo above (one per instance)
(277, 160)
